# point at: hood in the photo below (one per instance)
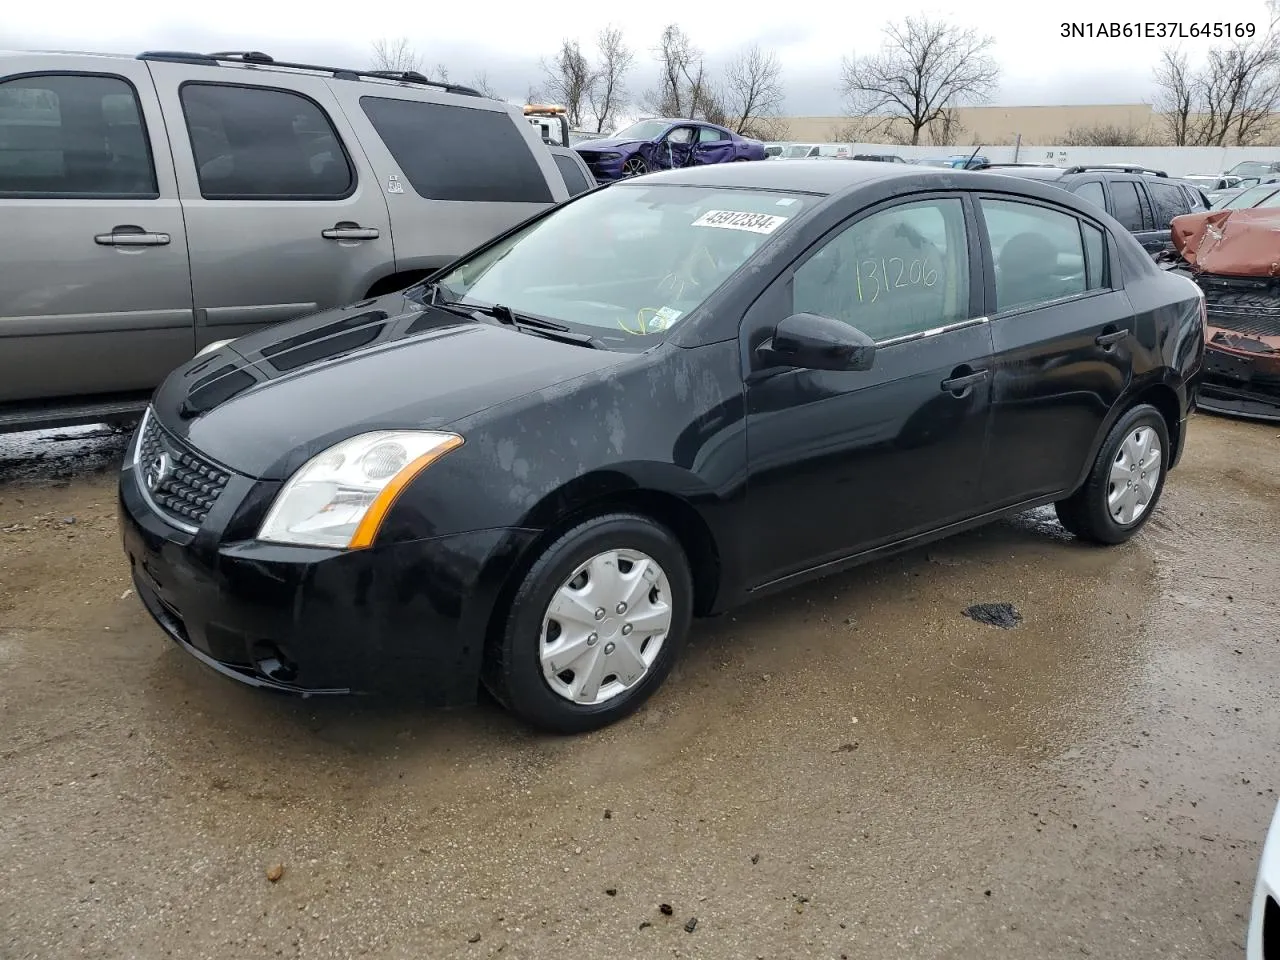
(266, 403)
(1240, 243)
(602, 146)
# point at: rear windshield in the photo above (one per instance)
(629, 262)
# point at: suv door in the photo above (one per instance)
(1168, 200)
(1129, 196)
(282, 217)
(95, 294)
(841, 462)
(1063, 332)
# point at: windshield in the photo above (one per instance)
(797, 150)
(644, 130)
(627, 263)
(1249, 198)
(1249, 168)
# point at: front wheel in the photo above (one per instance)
(1125, 482)
(634, 167)
(594, 627)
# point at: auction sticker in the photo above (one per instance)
(736, 220)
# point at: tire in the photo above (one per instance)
(513, 669)
(634, 162)
(1087, 513)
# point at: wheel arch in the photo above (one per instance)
(1166, 395)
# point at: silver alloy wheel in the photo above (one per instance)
(633, 167)
(1134, 475)
(605, 627)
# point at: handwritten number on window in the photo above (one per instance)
(873, 276)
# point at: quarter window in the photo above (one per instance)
(458, 153)
(1097, 274)
(73, 136)
(1039, 254)
(900, 271)
(255, 143)
(710, 135)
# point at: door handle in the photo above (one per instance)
(346, 230)
(1110, 338)
(958, 385)
(129, 235)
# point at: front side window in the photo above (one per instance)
(899, 271)
(255, 143)
(627, 263)
(73, 136)
(1038, 253)
(680, 135)
(458, 153)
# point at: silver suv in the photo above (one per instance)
(156, 204)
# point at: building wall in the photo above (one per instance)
(1002, 125)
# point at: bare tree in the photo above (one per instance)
(923, 67)
(946, 129)
(684, 86)
(1103, 135)
(1231, 99)
(569, 81)
(482, 86)
(397, 55)
(752, 92)
(608, 94)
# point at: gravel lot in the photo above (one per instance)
(854, 769)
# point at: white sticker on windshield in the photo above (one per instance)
(786, 202)
(736, 220)
(667, 316)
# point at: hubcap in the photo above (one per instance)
(633, 167)
(605, 627)
(1134, 475)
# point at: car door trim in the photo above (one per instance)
(934, 332)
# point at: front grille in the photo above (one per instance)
(181, 485)
(1253, 313)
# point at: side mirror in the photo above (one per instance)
(813, 342)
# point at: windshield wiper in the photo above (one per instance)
(530, 324)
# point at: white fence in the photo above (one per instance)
(1176, 161)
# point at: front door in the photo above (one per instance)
(95, 294)
(842, 462)
(282, 218)
(677, 147)
(1063, 332)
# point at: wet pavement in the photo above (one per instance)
(855, 769)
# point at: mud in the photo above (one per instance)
(856, 769)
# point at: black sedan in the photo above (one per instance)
(654, 402)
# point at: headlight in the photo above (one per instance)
(210, 347)
(340, 497)
(610, 156)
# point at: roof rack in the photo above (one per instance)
(1118, 168)
(255, 58)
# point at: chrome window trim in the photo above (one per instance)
(932, 332)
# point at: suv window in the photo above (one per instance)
(710, 135)
(1039, 254)
(1129, 204)
(896, 272)
(574, 181)
(1091, 190)
(458, 153)
(257, 143)
(1170, 202)
(73, 136)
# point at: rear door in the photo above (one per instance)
(1168, 200)
(1149, 234)
(714, 146)
(1063, 332)
(282, 217)
(95, 295)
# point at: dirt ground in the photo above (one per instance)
(852, 770)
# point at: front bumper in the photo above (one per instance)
(604, 167)
(1238, 380)
(1263, 941)
(406, 618)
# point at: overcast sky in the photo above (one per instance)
(506, 39)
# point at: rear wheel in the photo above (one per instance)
(594, 627)
(1125, 483)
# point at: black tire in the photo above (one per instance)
(512, 670)
(1085, 512)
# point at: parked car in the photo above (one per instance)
(878, 157)
(1143, 199)
(573, 169)
(1208, 182)
(1256, 195)
(536, 466)
(1262, 941)
(660, 144)
(152, 205)
(773, 149)
(1254, 168)
(806, 151)
(961, 161)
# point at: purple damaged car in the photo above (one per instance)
(664, 144)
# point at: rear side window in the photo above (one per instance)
(710, 135)
(458, 153)
(574, 181)
(1039, 253)
(1095, 257)
(1170, 202)
(1129, 204)
(73, 136)
(256, 143)
(1091, 190)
